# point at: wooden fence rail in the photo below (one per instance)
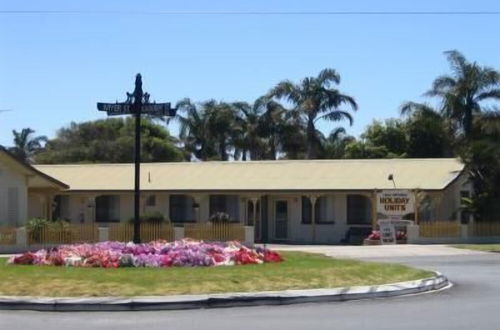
(149, 232)
(215, 231)
(7, 235)
(63, 234)
(440, 229)
(484, 229)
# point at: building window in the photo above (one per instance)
(107, 208)
(181, 208)
(229, 204)
(359, 210)
(151, 201)
(320, 211)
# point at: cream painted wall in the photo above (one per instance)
(9, 178)
(297, 232)
(303, 233)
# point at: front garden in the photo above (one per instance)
(222, 267)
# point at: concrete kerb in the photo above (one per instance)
(236, 299)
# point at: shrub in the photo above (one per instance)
(220, 217)
(151, 217)
(36, 226)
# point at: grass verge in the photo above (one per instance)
(479, 247)
(298, 271)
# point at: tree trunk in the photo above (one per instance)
(222, 149)
(467, 122)
(273, 147)
(311, 147)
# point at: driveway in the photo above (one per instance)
(473, 303)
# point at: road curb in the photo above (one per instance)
(178, 302)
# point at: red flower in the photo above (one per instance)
(271, 256)
(24, 259)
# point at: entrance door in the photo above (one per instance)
(281, 220)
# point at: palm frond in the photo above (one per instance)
(337, 115)
(287, 90)
(327, 76)
(408, 108)
(491, 94)
(457, 61)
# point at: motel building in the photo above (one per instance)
(287, 201)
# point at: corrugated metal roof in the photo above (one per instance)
(37, 179)
(284, 175)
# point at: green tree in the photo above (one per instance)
(428, 133)
(482, 157)
(248, 140)
(109, 141)
(194, 131)
(211, 129)
(390, 135)
(463, 92)
(334, 146)
(282, 130)
(314, 99)
(26, 146)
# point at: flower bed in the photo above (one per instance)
(184, 253)
(374, 238)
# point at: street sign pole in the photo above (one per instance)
(138, 95)
(137, 104)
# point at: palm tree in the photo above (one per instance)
(334, 145)
(248, 138)
(314, 100)
(25, 145)
(194, 131)
(211, 130)
(271, 125)
(223, 126)
(465, 89)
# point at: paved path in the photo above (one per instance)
(473, 303)
(379, 251)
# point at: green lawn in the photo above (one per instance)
(298, 271)
(479, 247)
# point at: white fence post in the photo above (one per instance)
(464, 233)
(249, 236)
(21, 237)
(178, 233)
(103, 234)
(412, 234)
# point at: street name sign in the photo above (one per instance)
(152, 109)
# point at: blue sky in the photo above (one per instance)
(55, 67)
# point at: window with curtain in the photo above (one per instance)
(107, 208)
(320, 211)
(181, 208)
(229, 204)
(359, 210)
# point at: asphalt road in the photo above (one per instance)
(473, 303)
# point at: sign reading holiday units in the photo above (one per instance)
(395, 203)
